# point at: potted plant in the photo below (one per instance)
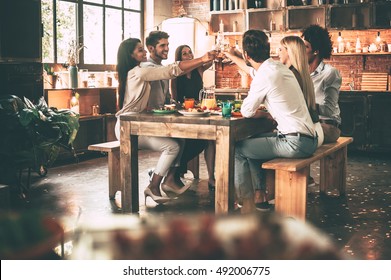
(73, 59)
(34, 135)
(51, 76)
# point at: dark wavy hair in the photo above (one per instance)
(320, 40)
(125, 62)
(256, 44)
(154, 37)
(178, 52)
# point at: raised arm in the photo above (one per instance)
(236, 57)
(189, 65)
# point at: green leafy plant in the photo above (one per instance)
(49, 129)
(49, 70)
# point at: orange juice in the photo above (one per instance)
(189, 103)
(209, 103)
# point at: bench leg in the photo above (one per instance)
(114, 173)
(291, 193)
(333, 171)
(194, 166)
(270, 183)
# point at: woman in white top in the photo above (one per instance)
(292, 53)
(134, 90)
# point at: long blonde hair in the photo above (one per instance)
(298, 58)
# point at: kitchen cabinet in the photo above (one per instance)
(382, 14)
(366, 116)
(354, 114)
(301, 17)
(20, 26)
(352, 16)
(266, 19)
(293, 15)
(93, 128)
(379, 121)
(23, 79)
(20, 49)
(228, 19)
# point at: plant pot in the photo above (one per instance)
(53, 80)
(73, 83)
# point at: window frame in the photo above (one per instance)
(80, 27)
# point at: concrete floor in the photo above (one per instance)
(359, 224)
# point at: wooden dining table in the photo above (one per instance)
(225, 131)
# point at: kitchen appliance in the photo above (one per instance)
(191, 32)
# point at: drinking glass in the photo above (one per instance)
(226, 109)
(189, 103)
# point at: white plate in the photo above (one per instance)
(194, 114)
(214, 112)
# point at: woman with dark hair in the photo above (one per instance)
(134, 90)
(189, 86)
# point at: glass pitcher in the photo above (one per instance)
(207, 97)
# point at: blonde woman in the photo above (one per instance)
(292, 53)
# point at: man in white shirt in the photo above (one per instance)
(157, 44)
(158, 47)
(275, 87)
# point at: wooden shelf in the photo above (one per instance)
(333, 16)
(361, 54)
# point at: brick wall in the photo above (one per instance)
(351, 67)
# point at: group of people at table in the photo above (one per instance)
(300, 93)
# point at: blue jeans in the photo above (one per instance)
(251, 153)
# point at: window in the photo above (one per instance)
(98, 25)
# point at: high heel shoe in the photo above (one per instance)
(156, 198)
(150, 174)
(169, 189)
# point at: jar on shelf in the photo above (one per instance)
(91, 80)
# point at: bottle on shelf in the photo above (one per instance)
(358, 45)
(74, 103)
(341, 44)
(354, 19)
(272, 23)
(221, 26)
(235, 26)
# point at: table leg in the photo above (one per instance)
(129, 169)
(224, 170)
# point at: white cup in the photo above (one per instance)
(389, 47)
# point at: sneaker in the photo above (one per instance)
(263, 206)
(311, 182)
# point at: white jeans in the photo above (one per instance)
(171, 148)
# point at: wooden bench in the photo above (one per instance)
(113, 150)
(288, 177)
